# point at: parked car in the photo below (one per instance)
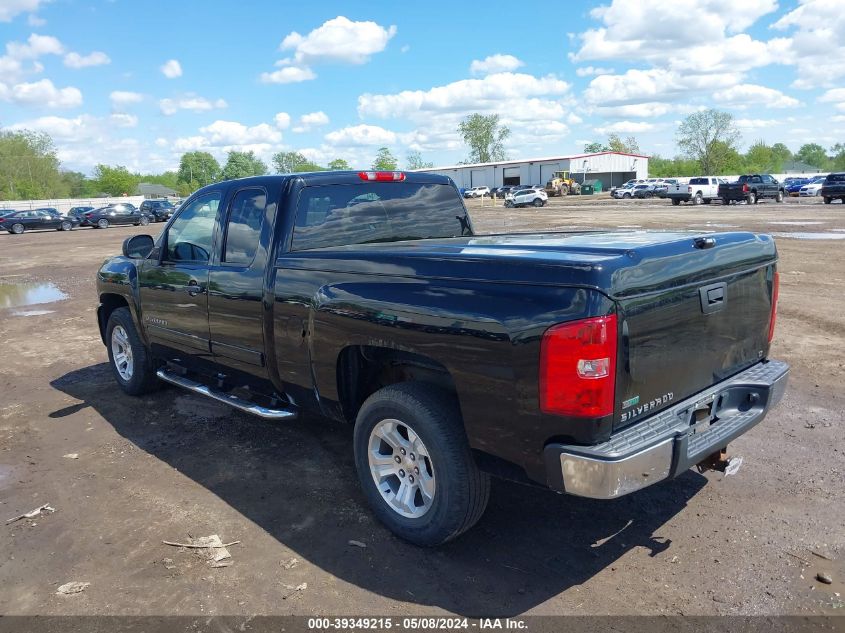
(17, 222)
(477, 192)
(812, 188)
(751, 188)
(625, 191)
(833, 187)
(523, 197)
(794, 185)
(700, 190)
(645, 190)
(158, 210)
(79, 212)
(501, 192)
(546, 358)
(493, 191)
(115, 214)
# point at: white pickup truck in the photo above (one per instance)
(697, 190)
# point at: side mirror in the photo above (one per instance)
(138, 246)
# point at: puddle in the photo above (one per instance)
(21, 295)
(629, 226)
(5, 476)
(799, 235)
(798, 222)
(718, 225)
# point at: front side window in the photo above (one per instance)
(337, 215)
(243, 227)
(189, 237)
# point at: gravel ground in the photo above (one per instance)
(171, 466)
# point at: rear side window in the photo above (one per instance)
(243, 227)
(338, 215)
(838, 178)
(699, 181)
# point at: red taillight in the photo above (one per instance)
(578, 368)
(689, 189)
(744, 188)
(382, 176)
(89, 215)
(775, 290)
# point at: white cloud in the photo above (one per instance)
(10, 9)
(654, 85)
(495, 64)
(753, 124)
(124, 120)
(288, 75)
(339, 40)
(122, 98)
(311, 120)
(75, 60)
(34, 20)
(626, 127)
(171, 69)
(361, 135)
(282, 120)
(235, 133)
(36, 46)
(815, 47)
(405, 48)
(190, 102)
(836, 96)
(41, 93)
(745, 95)
(589, 71)
(646, 109)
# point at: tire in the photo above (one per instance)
(725, 201)
(697, 200)
(752, 198)
(538, 202)
(626, 195)
(779, 197)
(509, 204)
(458, 490)
(66, 226)
(144, 221)
(17, 229)
(675, 202)
(828, 200)
(140, 378)
(564, 190)
(102, 223)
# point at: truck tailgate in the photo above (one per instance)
(691, 323)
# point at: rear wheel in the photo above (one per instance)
(696, 199)
(67, 226)
(725, 201)
(675, 202)
(415, 465)
(752, 198)
(564, 190)
(130, 363)
(102, 223)
(17, 229)
(827, 200)
(626, 195)
(538, 202)
(144, 221)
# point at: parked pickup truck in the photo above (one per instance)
(593, 363)
(698, 191)
(833, 187)
(751, 188)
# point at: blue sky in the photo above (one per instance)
(139, 83)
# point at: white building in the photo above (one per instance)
(611, 168)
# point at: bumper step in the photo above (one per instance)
(233, 401)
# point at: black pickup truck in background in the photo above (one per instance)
(593, 363)
(751, 188)
(833, 187)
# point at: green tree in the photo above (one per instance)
(338, 164)
(593, 148)
(709, 137)
(115, 181)
(838, 157)
(293, 163)
(197, 169)
(242, 165)
(780, 154)
(485, 138)
(78, 185)
(29, 167)
(385, 160)
(414, 160)
(616, 144)
(166, 179)
(759, 159)
(813, 154)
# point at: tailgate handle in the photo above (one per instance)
(713, 297)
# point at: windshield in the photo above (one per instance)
(338, 215)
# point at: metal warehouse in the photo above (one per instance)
(611, 168)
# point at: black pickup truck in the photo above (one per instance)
(594, 363)
(751, 188)
(833, 187)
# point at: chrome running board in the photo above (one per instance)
(225, 398)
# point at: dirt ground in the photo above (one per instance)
(171, 466)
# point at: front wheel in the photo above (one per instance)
(626, 195)
(779, 197)
(144, 221)
(67, 226)
(102, 223)
(130, 363)
(415, 465)
(725, 201)
(509, 204)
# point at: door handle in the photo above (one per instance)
(193, 288)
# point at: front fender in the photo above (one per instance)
(117, 279)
